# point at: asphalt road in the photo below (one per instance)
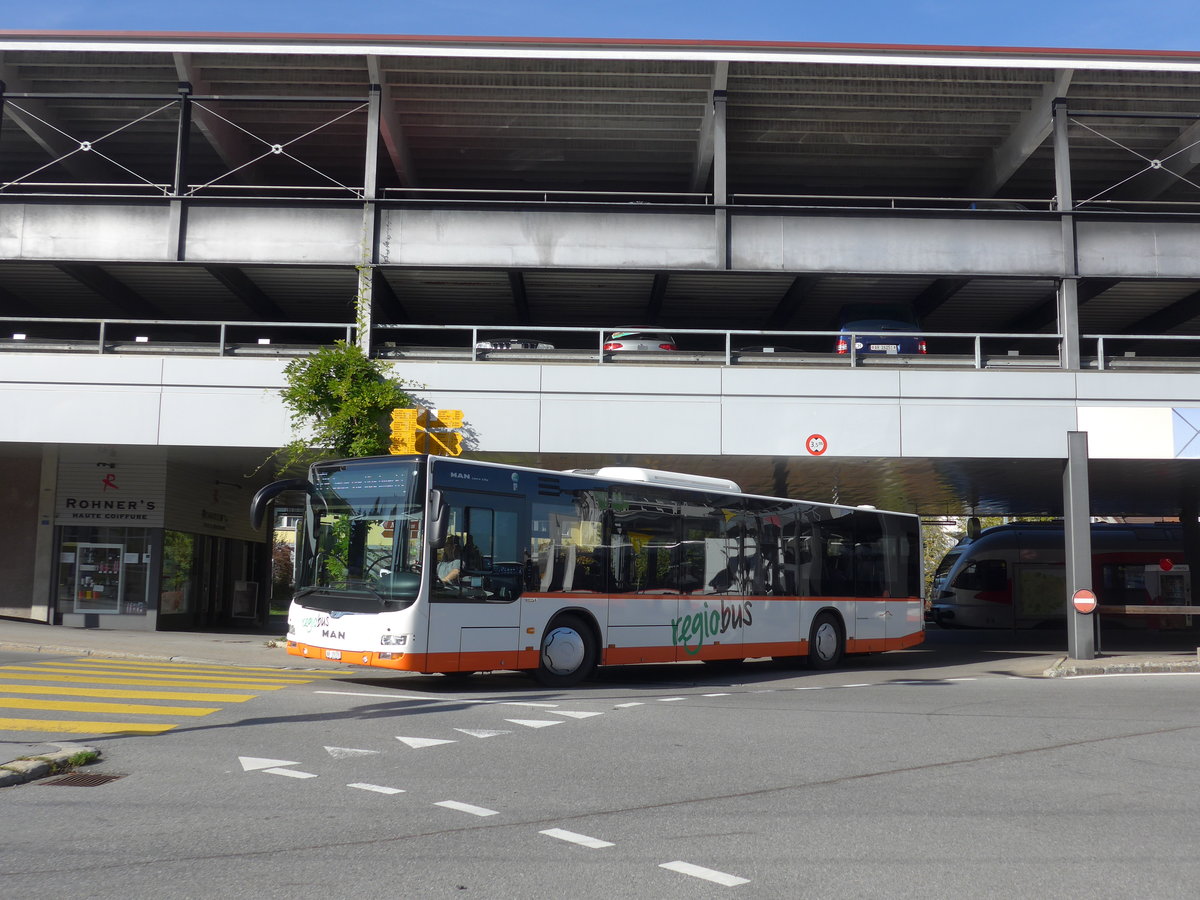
(952, 771)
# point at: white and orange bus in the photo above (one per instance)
(428, 564)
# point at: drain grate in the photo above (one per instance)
(79, 780)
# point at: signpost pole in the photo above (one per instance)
(1078, 530)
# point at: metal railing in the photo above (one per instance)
(587, 344)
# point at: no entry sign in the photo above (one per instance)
(1084, 600)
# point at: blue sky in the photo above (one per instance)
(1108, 24)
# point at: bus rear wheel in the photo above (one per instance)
(568, 653)
(826, 644)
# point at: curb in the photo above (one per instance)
(1066, 667)
(31, 768)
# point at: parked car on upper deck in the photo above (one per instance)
(879, 328)
(513, 343)
(640, 340)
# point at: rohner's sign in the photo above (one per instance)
(108, 492)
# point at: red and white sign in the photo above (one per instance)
(1084, 600)
(816, 444)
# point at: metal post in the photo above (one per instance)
(1068, 291)
(1078, 530)
(183, 135)
(720, 180)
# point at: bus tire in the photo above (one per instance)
(568, 652)
(826, 642)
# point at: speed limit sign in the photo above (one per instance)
(816, 444)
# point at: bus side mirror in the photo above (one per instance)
(258, 505)
(439, 520)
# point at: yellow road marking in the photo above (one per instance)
(131, 709)
(88, 670)
(74, 691)
(44, 675)
(82, 727)
(198, 667)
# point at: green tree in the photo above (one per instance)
(340, 402)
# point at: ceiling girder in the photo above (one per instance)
(113, 290)
(250, 294)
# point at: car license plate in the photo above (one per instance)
(333, 654)
(885, 348)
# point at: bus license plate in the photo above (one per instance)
(333, 654)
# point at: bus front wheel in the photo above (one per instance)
(826, 643)
(568, 653)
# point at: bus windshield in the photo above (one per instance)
(362, 536)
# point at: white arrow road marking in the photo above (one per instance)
(481, 732)
(581, 839)
(348, 752)
(377, 788)
(418, 743)
(467, 808)
(576, 715)
(290, 773)
(707, 874)
(535, 723)
(250, 763)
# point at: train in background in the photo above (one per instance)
(1014, 575)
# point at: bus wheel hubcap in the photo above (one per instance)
(826, 641)
(563, 651)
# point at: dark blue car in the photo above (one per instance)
(879, 328)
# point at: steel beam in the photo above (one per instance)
(1026, 137)
(113, 290)
(516, 283)
(390, 129)
(705, 151)
(241, 286)
(791, 301)
(658, 292)
(230, 144)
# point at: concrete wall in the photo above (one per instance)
(191, 402)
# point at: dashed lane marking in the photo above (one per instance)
(349, 752)
(686, 868)
(581, 839)
(290, 773)
(377, 788)
(467, 808)
(628, 705)
(670, 699)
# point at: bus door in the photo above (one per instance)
(644, 620)
(478, 577)
(714, 570)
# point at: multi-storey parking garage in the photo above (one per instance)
(180, 214)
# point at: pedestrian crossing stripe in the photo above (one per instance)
(71, 727)
(79, 689)
(226, 675)
(155, 664)
(92, 678)
(119, 694)
(197, 668)
(127, 709)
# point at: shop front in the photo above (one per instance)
(144, 544)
